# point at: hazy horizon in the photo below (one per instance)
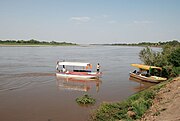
(90, 22)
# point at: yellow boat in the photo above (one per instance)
(148, 77)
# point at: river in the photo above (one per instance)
(29, 90)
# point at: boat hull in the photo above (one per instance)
(77, 75)
(152, 79)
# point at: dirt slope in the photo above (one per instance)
(166, 105)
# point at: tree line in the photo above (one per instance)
(168, 58)
(152, 44)
(34, 42)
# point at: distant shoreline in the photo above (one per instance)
(32, 43)
(35, 45)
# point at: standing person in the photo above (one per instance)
(57, 65)
(98, 67)
(63, 68)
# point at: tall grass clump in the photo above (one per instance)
(85, 99)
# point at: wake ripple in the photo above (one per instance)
(10, 82)
(16, 87)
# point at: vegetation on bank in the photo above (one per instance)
(135, 106)
(130, 109)
(168, 59)
(34, 42)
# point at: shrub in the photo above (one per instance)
(86, 99)
(175, 71)
(147, 55)
(174, 58)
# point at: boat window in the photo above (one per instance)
(81, 70)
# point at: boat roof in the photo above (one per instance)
(73, 63)
(145, 67)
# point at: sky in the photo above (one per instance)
(90, 21)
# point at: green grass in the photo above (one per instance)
(85, 99)
(137, 103)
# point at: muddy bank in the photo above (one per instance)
(166, 103)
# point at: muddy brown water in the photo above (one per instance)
(29, 90)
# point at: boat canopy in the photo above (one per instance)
(145, 67)
(74, 64)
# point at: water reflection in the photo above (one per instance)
(78, 84)
(142, 84)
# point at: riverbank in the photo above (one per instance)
(166, 103)
(150, 104)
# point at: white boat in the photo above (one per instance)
(85, 71)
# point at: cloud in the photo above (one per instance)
(80, 19)
(143, 22)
